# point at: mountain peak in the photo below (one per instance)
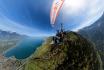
(74, 53)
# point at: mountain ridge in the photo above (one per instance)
(95, 33)
(9, 39)
(74, 53)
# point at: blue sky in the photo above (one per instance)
(32, 17)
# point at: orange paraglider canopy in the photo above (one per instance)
(57, 4)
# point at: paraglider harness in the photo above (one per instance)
(58, 39)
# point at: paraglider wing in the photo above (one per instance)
(57, 4)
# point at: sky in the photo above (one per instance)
(32, 17)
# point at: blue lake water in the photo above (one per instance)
(25, 48)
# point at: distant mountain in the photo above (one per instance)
(73, 53)
(95, 33)
(9, 35)
(9, 39)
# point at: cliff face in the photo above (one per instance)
(95, 33)
(74, 53)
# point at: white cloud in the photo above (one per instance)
(95, 12)
(84, 15)
(9, 25)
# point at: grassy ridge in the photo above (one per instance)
(75, 53)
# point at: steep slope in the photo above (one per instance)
(74, 53)
(95, 33)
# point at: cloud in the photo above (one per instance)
(9, 25)
(29, 17)
(96, 10)
(32, 17)
(82, 17)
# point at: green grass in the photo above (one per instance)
(77, 52)
(46, 60)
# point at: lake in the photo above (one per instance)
(25, 48)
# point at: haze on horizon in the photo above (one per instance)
(32, 17)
